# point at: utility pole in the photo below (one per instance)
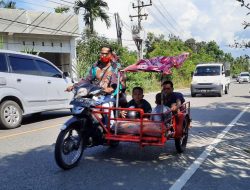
(118, 24)
(137, 29)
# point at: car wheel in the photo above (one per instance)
(10, 115)
(226, 90)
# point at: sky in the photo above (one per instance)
(203, 20)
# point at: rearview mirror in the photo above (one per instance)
(65, 74)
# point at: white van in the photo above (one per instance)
(29, 84)
(210, 78)
(244, 77)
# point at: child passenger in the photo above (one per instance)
(138, 102)
(160, 109)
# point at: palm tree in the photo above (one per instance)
(8, 4)
(93, 9)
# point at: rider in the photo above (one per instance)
(170, 98)
(103, 72)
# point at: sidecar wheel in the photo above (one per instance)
(69, 147)
(181, 143)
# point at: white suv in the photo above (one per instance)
(29, 84)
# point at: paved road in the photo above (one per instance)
(27, 159)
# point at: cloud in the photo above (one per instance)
(220, 21)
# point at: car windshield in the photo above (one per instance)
(244, 75)
(207, 71)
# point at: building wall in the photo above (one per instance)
(51, 34)
(60, 50)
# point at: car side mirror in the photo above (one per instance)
(65, 74)
(192, 73)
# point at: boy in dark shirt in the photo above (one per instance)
(171, 99)
(138, 102)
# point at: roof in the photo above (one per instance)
(33, 22)
(210, 64)
(21, 53)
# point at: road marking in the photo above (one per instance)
(31, 131)
(197, 163)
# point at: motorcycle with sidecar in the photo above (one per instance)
(92, 124)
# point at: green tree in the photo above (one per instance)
(61, 9)
(93, 9)
(246, 24)
(240, 64)
(213, 49)
(150, 42)
(191, 43)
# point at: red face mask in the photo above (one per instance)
(105, 59)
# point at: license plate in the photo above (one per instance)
(203, 90)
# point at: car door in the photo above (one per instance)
(24, 77)
(57, 97)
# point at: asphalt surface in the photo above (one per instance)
(217, 155)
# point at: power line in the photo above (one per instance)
(168, 12)
(67, 2)
(55, 2)
(34, 4)
(164, 26)
(52, 29)
(165, 18)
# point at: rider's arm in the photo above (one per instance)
(108, 90)
(179, 101)
(112, 84)
(83, 80)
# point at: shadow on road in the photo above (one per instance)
(130, 167)
(33, 118)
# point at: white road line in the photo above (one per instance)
(196, 164)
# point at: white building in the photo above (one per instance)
(52, 35)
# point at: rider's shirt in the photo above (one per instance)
(144, 105)
(104, 75)
(172, 98)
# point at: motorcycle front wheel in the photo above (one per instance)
(69, 147)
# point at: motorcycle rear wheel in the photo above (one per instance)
(69, 147)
